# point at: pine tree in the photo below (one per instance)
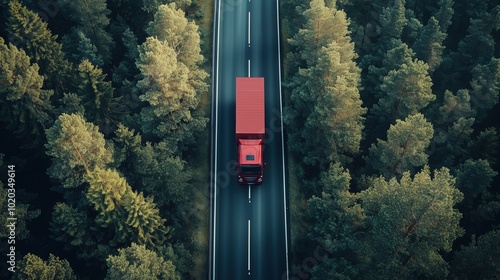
(406, 90)
(132, 216)
(92, 18)
(409, 224)
(24, 106)
(76, 147)
(101, 107)
(171, 25)
(325, 115)
(171, 98)
(478, 260)
(429, 45)
(33, 267)
(78, 48)
(28, 31)
(485, 87)
(404, 148)
(137, 262)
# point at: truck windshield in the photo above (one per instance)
(250, 169)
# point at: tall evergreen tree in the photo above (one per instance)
(28, 31)
(409, 223)
(32, 267)
(171, 98)
(24, 106)
(325, 115)
(406, 90)
(137, 262)
(92, 18)
(478, 260)
(429, 45)
(76, 147)
(404, 148)
(78, 48)
(132, 216)
(171, 25)
(485, 87)
(101, 107)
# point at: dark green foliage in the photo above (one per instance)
(24, 106)
(325, 115)
(28, 31)
(22, 212)
(132, 216)
(137, 262)
(409, 223)
(429, 45)
(33, 267)
(485, 87)
(92, 19)
(478, 260)
(101, 107)
(80, 47)
(404, 149)
(474, 177)
(77, 232)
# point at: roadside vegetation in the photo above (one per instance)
(391, 110)
(104, 108)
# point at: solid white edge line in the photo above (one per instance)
(248, 246)
(249, 28)
(216, 131)
(282, 136)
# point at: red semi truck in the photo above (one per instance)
(250, 129)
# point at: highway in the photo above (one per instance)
(248, 223)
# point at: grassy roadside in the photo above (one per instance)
(297, 202)
(201, 166)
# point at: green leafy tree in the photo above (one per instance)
(404, 148)
(137, 262)
(101, 107)
(24, 106)
(410, 223)
(92, 18)
(478, 260)
(76, 147)
(33, 267)
(28, 31)
(171, 98)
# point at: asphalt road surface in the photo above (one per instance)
(248, 223)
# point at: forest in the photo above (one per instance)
(391, 119)
(103, 106)
(392, 124)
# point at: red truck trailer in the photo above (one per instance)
(250, 129)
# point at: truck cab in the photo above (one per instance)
(251, 166)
